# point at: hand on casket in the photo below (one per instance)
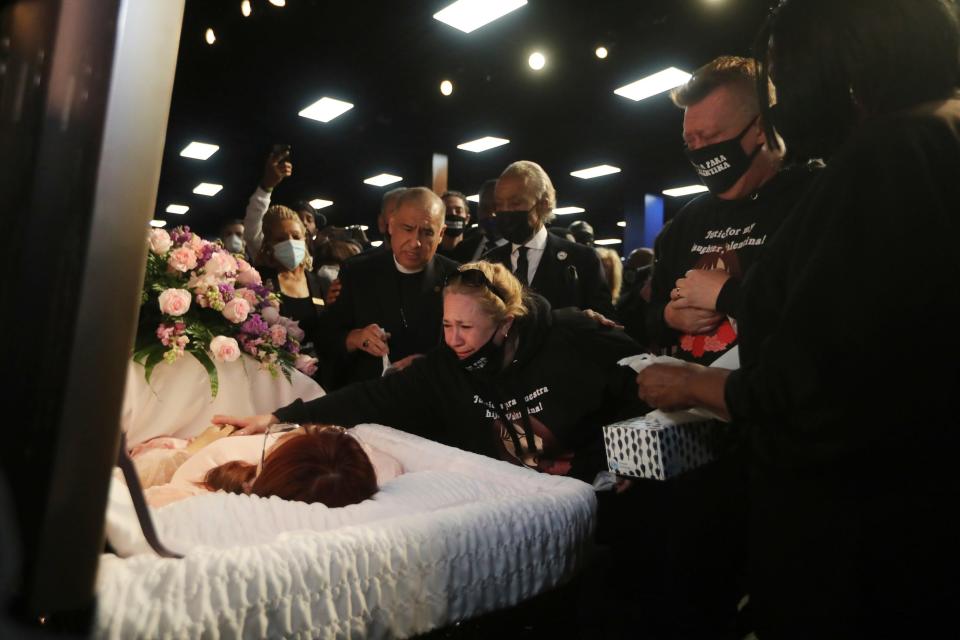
(247, 426)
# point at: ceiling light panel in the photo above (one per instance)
(158, 223)
(178, 209)
(595, 172)
(685, 191)
(564, 211)
(382, 180)
(605, 241)
(325, 109)
(320, 203)
(483, 144)
(652, 85)
(207, 189)
(199, 150)
(474, 198)
(470, 15)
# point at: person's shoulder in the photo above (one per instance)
(924, 130)
(445, 264)
(498, 254)
(559, 246)
(573, 326)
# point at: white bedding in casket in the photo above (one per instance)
(456, 536)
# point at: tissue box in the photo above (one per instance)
(661, 446)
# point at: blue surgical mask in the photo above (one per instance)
(290, 253)
(233, 243)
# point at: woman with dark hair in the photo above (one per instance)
(513, 380)
(844, 391)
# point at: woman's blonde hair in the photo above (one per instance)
(504, 297)
(613, 269)
(272, 220)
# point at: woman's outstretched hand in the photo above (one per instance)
(247, 426)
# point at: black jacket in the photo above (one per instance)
(569, 275)
(565, 373)
(848, 388)
(370, 294)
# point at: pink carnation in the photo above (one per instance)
(278, 335)
(182, 259)
(237, 310)
(305, 364)
(175, 302)
(224, 349)
(159, 241)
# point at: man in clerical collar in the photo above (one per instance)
(390, 306)
(567, 274)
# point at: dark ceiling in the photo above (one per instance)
(388, 59)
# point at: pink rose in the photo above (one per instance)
(224, 349)
(175, 302)
(270, 315)
(305, 364)
(237, 310)
(159, 241)
(219, 264)
(278, 335)
(247, 295)
(242, 265)
(249, 277)
(182, 259)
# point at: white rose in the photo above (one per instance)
(224, 349)
(159, 241)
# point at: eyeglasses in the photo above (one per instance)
(287, 427)
(473, 278)
(280, 427)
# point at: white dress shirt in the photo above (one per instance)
(535, 248)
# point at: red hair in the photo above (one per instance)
(319, 465)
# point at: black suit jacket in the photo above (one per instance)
(370, 294)
(569, 275)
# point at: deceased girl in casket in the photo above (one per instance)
(315, 463)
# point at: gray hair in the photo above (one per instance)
(535, 177)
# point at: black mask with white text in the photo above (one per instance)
(515, 225)
(720, 165)
(455, 226)
(487, 359)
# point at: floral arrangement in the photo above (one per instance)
(198, 298)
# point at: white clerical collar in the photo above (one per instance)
(403, 269)
(538, 241)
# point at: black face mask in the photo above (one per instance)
(515, 225)
(720, 165)
(489, 228)
(455, 226)
(487, 359)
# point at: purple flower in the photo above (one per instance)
(226, 292)
(254, 325)
(181, 235)
(292, 347)
(205, 253)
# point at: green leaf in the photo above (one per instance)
(154, 358)
(201, 355)
(140, 355)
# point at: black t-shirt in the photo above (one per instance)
(710, 233)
